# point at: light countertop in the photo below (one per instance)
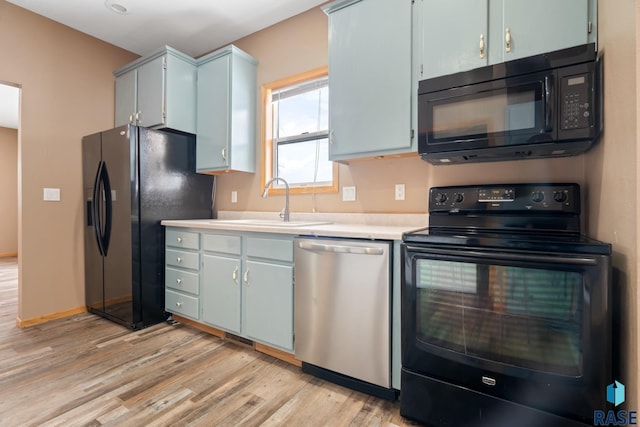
(363, 226)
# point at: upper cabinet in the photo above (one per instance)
(459, 35)
(369, 78)
(226, 112)
(157, 91)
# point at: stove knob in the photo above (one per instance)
(458, 197)
(537, 196)
(560, 196)
(441, 198)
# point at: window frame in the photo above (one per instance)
(268, 144)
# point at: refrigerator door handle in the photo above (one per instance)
(106, 186)
(95, 212)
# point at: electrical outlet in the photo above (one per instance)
(234, 197)
(51, 194)
(348, 194)
(399, 191)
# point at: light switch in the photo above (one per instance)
(51, 194)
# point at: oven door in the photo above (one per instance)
(503, 112)
(533, 328)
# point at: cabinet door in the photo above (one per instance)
(212, 145)
(370, 79)
(125, 98)
(268, 303)
(151, 93)
(221, 292)
(452, 36)
(540, 26)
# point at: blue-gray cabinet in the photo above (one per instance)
(226, 111)
(458, 35)
(182, 273)
(237, 282)
(157, 91)
(369, 78)
(221, 281)
(268, 291)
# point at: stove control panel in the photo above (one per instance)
(515, 198)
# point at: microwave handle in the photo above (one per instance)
(549, 96)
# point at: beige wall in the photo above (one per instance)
(300, 44)
(612, 174)
(8, 191)
(67, 92)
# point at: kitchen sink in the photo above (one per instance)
(268, 222)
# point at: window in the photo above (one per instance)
(296, 132)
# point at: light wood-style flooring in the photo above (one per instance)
(87, 371)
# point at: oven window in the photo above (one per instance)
(526, 317)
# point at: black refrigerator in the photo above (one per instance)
(133, 178)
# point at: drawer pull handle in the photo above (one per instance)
(246, 277)
(481, 46)
(178, 260)
(179, 239)
(179, 281)
(507, 40)
(235, 275)
(178, 304)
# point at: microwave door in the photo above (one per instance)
(492, 114)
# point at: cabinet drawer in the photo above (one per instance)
(183, 259)
(277, 249)
(183, 239)
(182, 280)
(178, 303)
(221, 243)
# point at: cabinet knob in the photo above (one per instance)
(481, 45)
(178, 260)
(507, 39)
(179, 239)
(139, 117)
(179, 281)
(178, 304)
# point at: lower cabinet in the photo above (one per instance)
(244, 285)
(221, 292)
(268, 303)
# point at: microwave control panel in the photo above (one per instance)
(575, 101)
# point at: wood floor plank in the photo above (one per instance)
(87, 371)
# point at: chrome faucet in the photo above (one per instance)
(284, 214)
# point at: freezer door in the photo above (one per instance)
(119, 154)
(169, 189)
(91, 158)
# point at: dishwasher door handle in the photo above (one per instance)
(322, 247)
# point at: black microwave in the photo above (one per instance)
(547, 105)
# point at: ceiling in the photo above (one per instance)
(194, 27)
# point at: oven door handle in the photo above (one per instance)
(509, 257)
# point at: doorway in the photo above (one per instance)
(9, 124)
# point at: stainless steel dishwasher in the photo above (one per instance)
(343, 312)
